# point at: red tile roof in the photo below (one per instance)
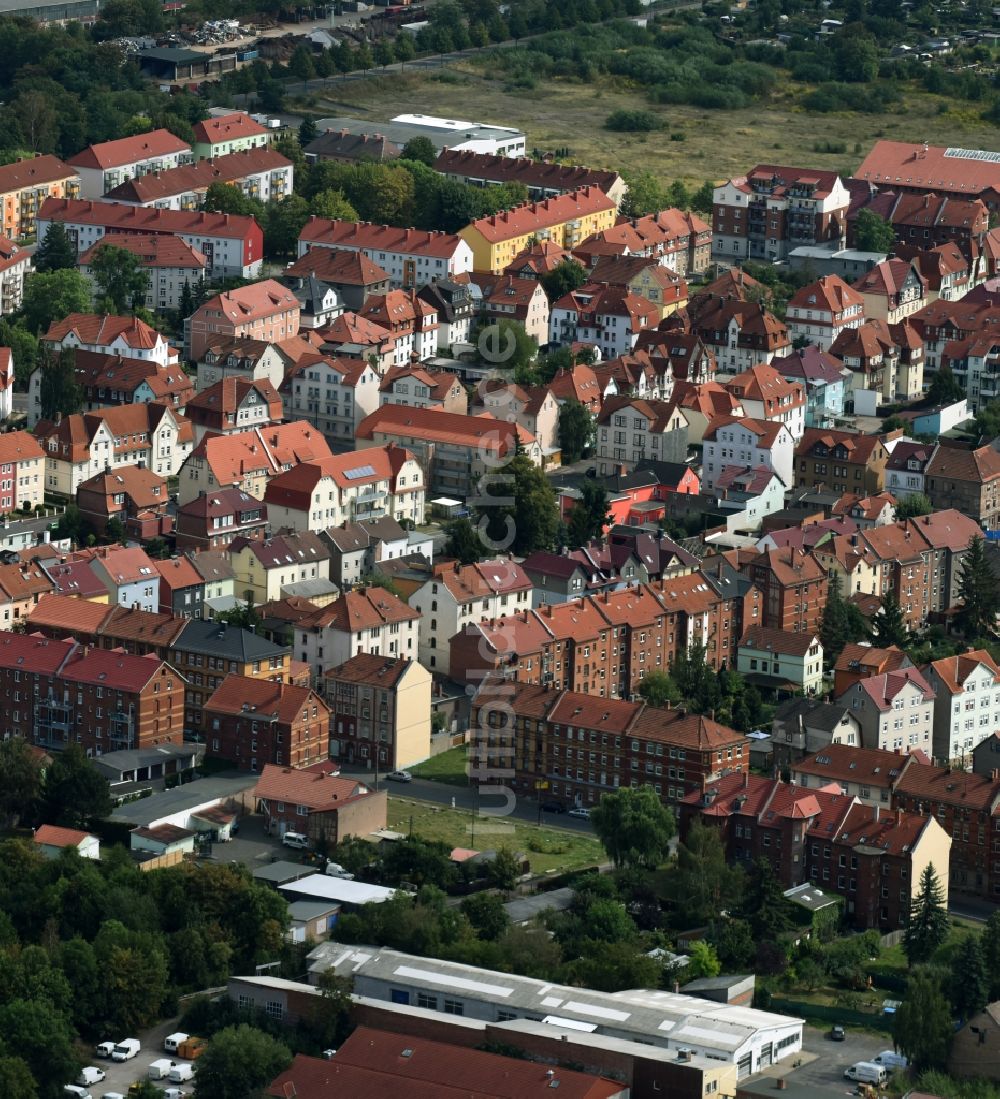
(19, 446)
(367, 609)
(379, 671)
(101, 330)
(910, 164)
(335, 266)
(32, 172)
(143, 219)
(467, 583)
(953, 671)
(129, 150)
(154, 250)
(188, 178)
(34, 652)
(112, 668)
(264, 699)
(778, 641)
(429, 424)
(53, 836)
(532, 173)
(294, 487)
(949, 786)
(847, 763)
(356, 235)
(534, 216)
(314, 787)
(829, 293)
(269, 449)
(227, 127)
(66, 612)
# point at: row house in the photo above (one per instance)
(249, 459)
(927, 220)
(265, 311)
(219, 591)
(380, 711)
(454, 452)
(233, 244)
(917, 168)
(351, 275)
(746, 444)
(872, 858)
(678, 239)
(895, 710)
(948, 273)
(262, 174)
(645, 277)
(455, 306)
(842, 461)
(132, 496)
(867, 774)
(767, 395)
(773, 209)
(567, 219)
(233, 405)
(684, 355)
(171, 264)
(15, 263)
(578, 747)
(967, 808)
(906, 469)
(61, 692)
(893, 290)
(538, 258)
(253, 722)
(968, 480)
(966, 705)
(819, 312)
(335, 394)
(578, 384)
(22, 587)
(886, 364)
(27, 186)
(292, 563)
(22, 471)
(456, 595)
(371, 620)
(358, 485)
(542, 178)
(607, 317)
(103, 166)
(213, 519)
(409, 320)
(591, 569)
(857, 662)
(251, 360)
(532, 407)
(127, 573)
(423, 387)
(410, 257)
(630, 431)
(106, 334)
(352, 336)
(824, 379)
(740, 334)
(65, 616)
(510, 298)
(182, 588)
(79, 447)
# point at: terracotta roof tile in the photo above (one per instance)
(314, 787)
(129, 150)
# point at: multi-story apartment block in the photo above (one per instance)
(233, 405)
(26, 186)
(905, 471)
(284, 565)
(825, 380)
(455, 306)
(351, 274)
(772, 210)
(766, 395)
(740, 334)
(927, 220)
(368, 484)
(534, 407)
(15, 263)
(253, 722)
(265, 311)
(423, 387)
(608, 316)
(895, 710)
(857, 662)
(630, 431)
(777, 658)
(886, 364)
(104, 166)
(105, 334)
(228, 133)
(841, 461)
(232, 244)
(59, 692)
(250, 359)
(335, 394)
(892, 290)
(182, 588)
(410, 257)
(213, 519)
(249, 459)
(645, 276)
(409, 319)
(171, 263)
(261, 173)
(458, 594)
(968, 480)
(518, 299)
(380, 711)
(746, 444)
(793, 587)
(678, 239)
(966, 704)
(128, 574)
(22, 472)
(567, 219)
(819, 312)
(578, 747)
(867, 774)
(135, 497)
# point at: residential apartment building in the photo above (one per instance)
(867, 774)
(15, 263)
(213, 519)
(59, 692)
(886, 364)
(767, 395)
(677, 239)
(132, 496)
(459, 594)
(314, 800)
(857, 662)
(609, 317)
(645, 276)
(232, 244)
(128, 574)
(170, 262)
(233, 405)
(410, 257)
(825, 380)
(264, 311)
(740, 334)
(423, 387)
(104, 166)
(351, 274)
(292, 563)
(182, 588)
(410, 321)
(905, 471)
(106, 334)
(793, 587)
(357, 485)
(380, 711)
(895, 710)
(819, 312)
(222, 135)
(25, 186)
(534, 407)
(518, 299)
(777, 659)
(566, 219)
(772, 210)
(746, 444)
(252, 722)
(966, 705)
(892, 290)
(335, 394)
(841, 461)
(578, 747)
(630, 431)
(453, 451)
(968, 480)
(22, 472)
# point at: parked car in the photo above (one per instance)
(90, 1075)
(591, 471)
(837, 1033)
(553, 807)
(296, 839)
(864, 1072)
(335, 870)
(105, 1049)
(580, 813)
(399, 776)
(77, 1092)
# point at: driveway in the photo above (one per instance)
(824, 1061)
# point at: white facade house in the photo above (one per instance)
(895, 710)
(123, 337)
(966, 704)
(767, 654)
(818, 313)
(747, 443)
(334, 394)
(106, 165)
(15, 263)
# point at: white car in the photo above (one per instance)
(399, 776)
(580, 813)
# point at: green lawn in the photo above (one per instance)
(547, 849)
(447, 767)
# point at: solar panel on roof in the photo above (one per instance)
(974, 154)
(359, 471)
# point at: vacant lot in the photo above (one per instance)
(708, 145)
(546, 848)
(447, 767)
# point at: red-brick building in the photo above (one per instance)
(793, 586)
(250, 722)
(316, 801)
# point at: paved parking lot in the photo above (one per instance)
(824, 1061)
(120, 1075)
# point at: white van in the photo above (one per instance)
(181, 1072)
(126, 1049)
(864, 1072)
(112, 1095)
(172, 1041)
(90, 1075)
(335, 870)
(105, 1049)
(889, 1059)
(295, 839)
(160, 1069)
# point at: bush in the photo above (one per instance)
(624, 121)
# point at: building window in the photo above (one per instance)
(454, 1007)
(274, 1009)
(429, 1002)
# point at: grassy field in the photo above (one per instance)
(448, 767)
(715, 144)
(557, 848)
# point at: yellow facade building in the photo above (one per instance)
(26, 184)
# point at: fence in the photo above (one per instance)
(830, 1014)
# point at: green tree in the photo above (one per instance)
(301, 64)
(55, 251)
(221, 198)
(502, 871)
(363, 57)
(73, 792)
(873, 233)
(944, 387)
(927, 923)
(51, 296)
(921, 1027)
(385, 54)
(283, 221)
(702, 961)
(888, 623)
(40, 1035)
(421, 149)
(464, 543)
(589, 514)
(333, 205)
(517, 508)
(658, 689)
(486, 913)
(894, 423)
(989, 943)
(970, 980)
(59, 391)
(20, 781)
(576, 430)
(978, 588)
(702, 881)
(913, 505)
(245, 615)
(634, 827)
(565, 276)
(734, 943)
(135, 976)
(645, 194)
(307, 132)
(122, 281)
(855, 57)
(16, 1081)
(238, 1061)
(405, 51)
(765, 906)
